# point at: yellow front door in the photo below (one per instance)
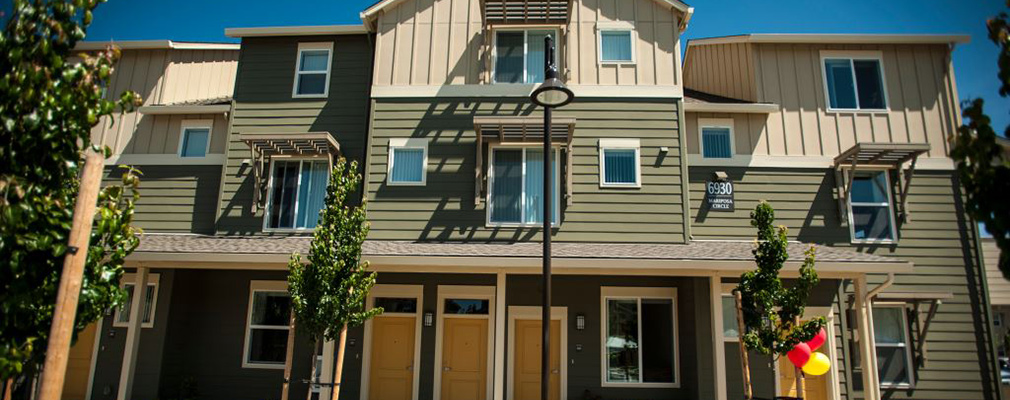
(814, 387)
(79, 365)
(526, 381)
(392, 370)
(464, 359)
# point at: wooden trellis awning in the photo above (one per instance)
(525, 11)
(877, 155)
(264, 146)
(519, 131)
(918, 300)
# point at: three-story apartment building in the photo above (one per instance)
(844, 135)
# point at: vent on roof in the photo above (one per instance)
(525, 11)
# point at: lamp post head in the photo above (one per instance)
(552, 92)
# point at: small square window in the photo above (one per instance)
(195, 141)
(312, 72)
(716, 142)
(871, 216)
(854, 83)
(150, 301)
(408, 160)
(620, 163)
(616, 46)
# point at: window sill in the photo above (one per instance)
(288, 230)
(620, 186)
(391, 183)
(857, 111)
(517, 225)
(125, 325)
(641, 385)
(262, 366)
(309, 96)
(603, 62)
(866, 241)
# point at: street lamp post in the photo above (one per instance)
(550, 94)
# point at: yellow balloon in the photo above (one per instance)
(819, 364)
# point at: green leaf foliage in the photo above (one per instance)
(770, 309)
(49, 103)
(982, 167)
(329, 291)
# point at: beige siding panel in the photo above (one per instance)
(199, 74)
(722, 69)
(999, 287)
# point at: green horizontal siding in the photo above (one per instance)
(174, 198)
(444, 208)
(938, 239)
(263, 104)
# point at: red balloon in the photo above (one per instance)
(799, 355)
(819, 339)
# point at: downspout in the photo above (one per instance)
(880, 288)
(871, 339)
(986, 303)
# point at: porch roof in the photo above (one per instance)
(730, 256)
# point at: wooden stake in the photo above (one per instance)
(341, 349)
(800, 389)
(312, 375)
(744, 358)
(62, 329)
(289, 359)
(7, 388)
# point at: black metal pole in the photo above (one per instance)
(545, 356)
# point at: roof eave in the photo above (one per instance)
(833, 38)
(307, 30)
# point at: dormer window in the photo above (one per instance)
(519, 55)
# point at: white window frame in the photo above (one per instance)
(131, 278)
(268, 209)
(312, 46)
(716, 123)
(405, 143)
(615, 27)
(188, 124)
(621, 144)
(890, 210)
(254, 287)
(726, 291)
(853, 56)
(906, 345)
(555, 222)
(525, 30)
(638, 293)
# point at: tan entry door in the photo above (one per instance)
(527, 360)
(814, 387)
(464, 359)
(79, 365)
(392, 370)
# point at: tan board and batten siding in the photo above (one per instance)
(920, 86)
(164, 76)
(444, 209)
(263, 104)
(999, 287)
(412, 35)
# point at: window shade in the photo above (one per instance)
(716, 142)
(615, 45)
(619, 166)
(408, 165)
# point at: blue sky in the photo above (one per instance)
(974, 63)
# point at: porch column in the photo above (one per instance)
(499, 337)
(133, 335)
(867, 348)
(718, 343)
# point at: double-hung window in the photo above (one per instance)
(716, 137)
(619, 163)
(519, 55)
(871, 218)
(194, 139)
(297, 192)
(148, 306)
(893, 347)
(267, 326)
(854, 83)
(408, 160)
(312, 72)
(639, 337)
(517, 186)
(616, 46)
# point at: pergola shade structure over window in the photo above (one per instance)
(522, 131)
(265, 146)
(525, 11)
(870, 156)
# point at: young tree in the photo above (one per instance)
(328, 292)
(48, 106)
(771, 311)
(981, 167)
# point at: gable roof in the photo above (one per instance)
(368, 16)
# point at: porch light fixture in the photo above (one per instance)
(580, 322)
(429, 319)
(550, 94)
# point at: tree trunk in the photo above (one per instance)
(339, 363)
(744, 358)
(7, 388)
(288, 359)
(312, 374)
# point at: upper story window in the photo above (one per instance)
(870, 208)
(312, 71)
(519, 55)
(855, 83)
(296, 194)
(716, 137)
(616, 44)
(194, 139)
(408, 160)
(619, 163)
(517, 186)
(267, 325)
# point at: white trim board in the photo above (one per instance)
(833, 38)
(535, 313)
(197, 109)
(165, 159)
(403, 291)
(524, 90)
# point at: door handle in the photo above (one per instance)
(446, 369)
(554, 371)
(410, 368)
